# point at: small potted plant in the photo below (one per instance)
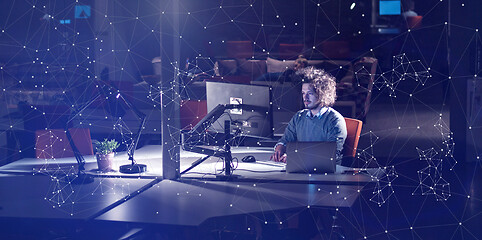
(105, 153)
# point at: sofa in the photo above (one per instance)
(249, 70)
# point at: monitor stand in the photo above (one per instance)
(224, 153)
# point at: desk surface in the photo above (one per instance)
(190, 203)
(151, 155)
(265, 172)
(40, 196)
(183, 203)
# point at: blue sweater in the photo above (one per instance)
(327, 125)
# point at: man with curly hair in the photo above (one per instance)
(318, 121)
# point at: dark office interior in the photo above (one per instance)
(150, 74)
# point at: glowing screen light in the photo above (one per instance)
(389, 7)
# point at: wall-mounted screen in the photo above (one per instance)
(389, 7)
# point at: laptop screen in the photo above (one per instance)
(311, 157)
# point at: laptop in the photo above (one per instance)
(311, 157)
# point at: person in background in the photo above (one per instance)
(287, 75)
(409, 10)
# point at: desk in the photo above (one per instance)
(261, 170)
(44, 197)
(191, 202)
(149, 155)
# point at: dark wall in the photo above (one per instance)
(464, 63)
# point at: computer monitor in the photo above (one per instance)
(389, 7)
(257, 122)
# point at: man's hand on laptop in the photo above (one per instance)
(279, 154)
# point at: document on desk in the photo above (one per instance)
(272, 163)
(262, 166)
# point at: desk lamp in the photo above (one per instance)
(116, 105)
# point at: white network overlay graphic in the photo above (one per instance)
(383, 176)
(430, 177)
(56, 63)
(403, 69)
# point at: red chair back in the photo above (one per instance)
(414, 22)
(191, 112)
(239, 49)
(353, 127)
(53, 143)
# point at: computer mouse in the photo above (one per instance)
(248, 158)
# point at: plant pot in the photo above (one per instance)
(104, 161)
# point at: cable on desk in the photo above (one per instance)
(224, 167)
(204, 174)
(232, 163)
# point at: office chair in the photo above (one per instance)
(53, 143)
(357, 94)
(191, 112)
(34, 117)
(414, 22)
(353, 128)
